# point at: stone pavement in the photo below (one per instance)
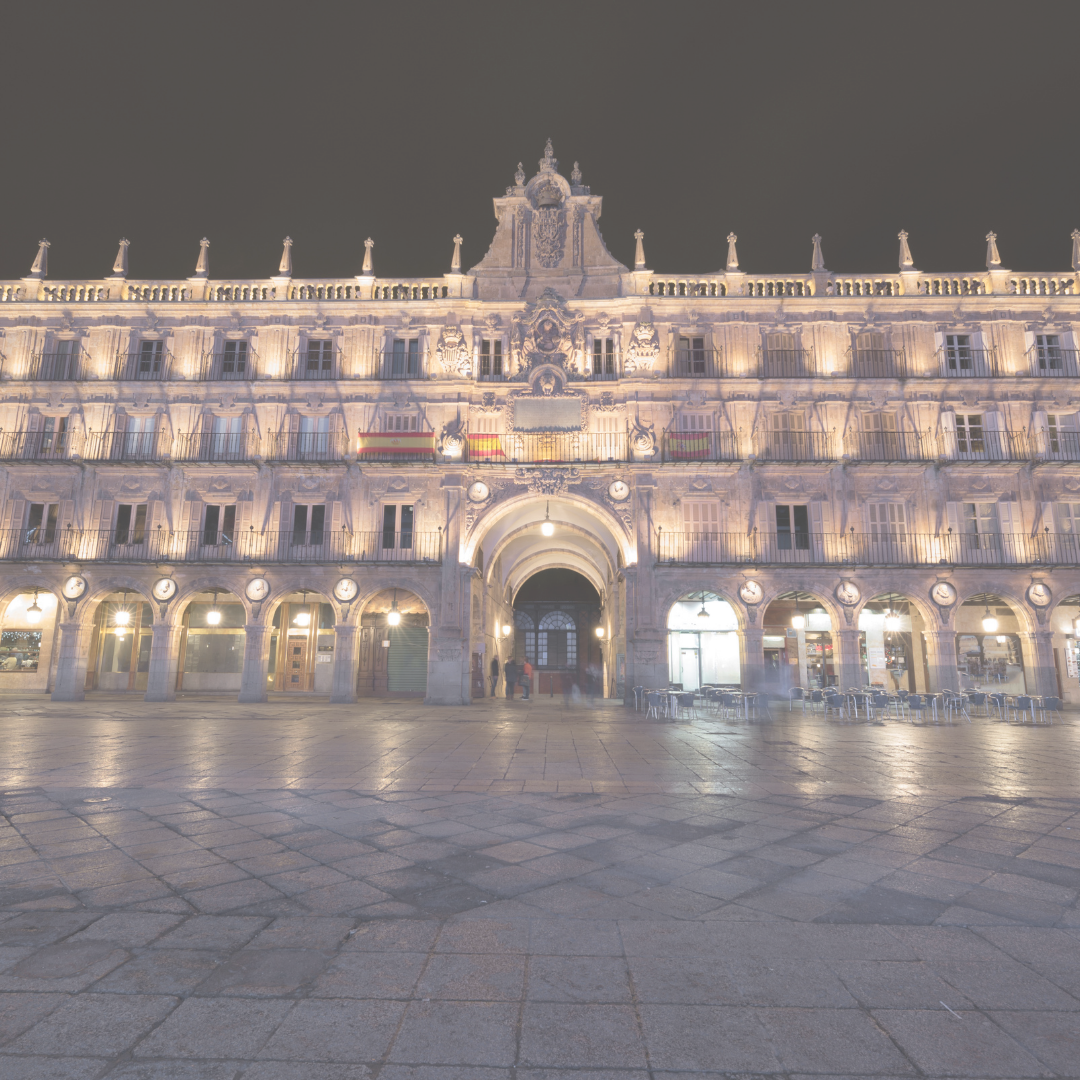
(298, 891)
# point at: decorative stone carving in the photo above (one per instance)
(453, 353)
(548, 481)
(642, 439)
(643, 350)
(548, 332)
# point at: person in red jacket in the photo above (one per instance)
(526, 680)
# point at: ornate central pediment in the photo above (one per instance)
(547, 332)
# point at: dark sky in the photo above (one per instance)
(165, 122)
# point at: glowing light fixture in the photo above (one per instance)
(122, 617)
(303, 616)
(33, 612)
(506, 629)
(393, 616)
(1002, 639)
(548, 528)
(989, 623)
(891, 622)
(798, 620)
(702, 614)
(599, 631)
(213, 616)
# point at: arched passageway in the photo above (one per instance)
(990, 646)
(892, 648)
(120, 639)
(703, 642)
(394, 645)
(27, 632)
(798, 643)
(212, 642)
(301, 644)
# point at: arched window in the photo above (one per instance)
(556, 644)
(524, 621)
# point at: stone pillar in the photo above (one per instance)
(846, 659)
(256, 662)
(753, 658)
(164, 662)
(449, 675)
(1040, 674)
(941, 660)
(343, 688)
(74, 653)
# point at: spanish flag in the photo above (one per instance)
(688, 445)
(391, 444)
(483, 446)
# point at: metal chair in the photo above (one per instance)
(653, 700)
(977, 701)
(916, 705)
(1050, 705)
(817, 697)
(834, 704)
(684, 703)
(795, 693)
(955, 705)
(1023, 706)
(638, 693)
(880, 701)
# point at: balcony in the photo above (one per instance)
(889, 446)
(795, 446)
(688, 446)
(143, 367)
(549, 448)
(304, 446)
(399, 364)
(695, 364)
(980, 445)
(192, 546)
(1050, 361)
(1061, 446)
(132, 446)
(877, 364)
(223, 447)
(230, 365)
(961, 362)
(899, 549)
(56, 367)
(786, 363)
(316, 363)
(35, 445)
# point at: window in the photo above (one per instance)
(603, 355)
(1061, 432)
(308, 524)
(320, 358)
(234, 358)
(691, 359)
(788, 434)
(888, 521)
(980, 519)
(397, 526)
(41, 523)
(65, 360)
(958, 352)
(879, 421)
(130, 524)
(314, 435)
(701, 516)
(53, 435)
(401, 422)
(1067, 518)
(695, 421)
(228, 437)
(149, 362)
(138, 437)
(524, 622)
(970, 438)
(793, 527)
(556, 643)
(1048, 352)
(871, 348)
(219, 525)
(491, 358)
(405, 359)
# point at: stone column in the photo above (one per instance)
(256, 662)
(164, 662)
(343, 688)
(846, 659)
(1040, 673)
(941, 660)
(753, 658)
(74, 653)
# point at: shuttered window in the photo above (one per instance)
(130, 524)
(701, 516)
(970, 437)
(406, 664)
(603, 358)
(792, 527)
(887, 520)
(41, 523)
(219, 525)
(491, 357)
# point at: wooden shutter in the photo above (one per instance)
(955, 517)
(34, 421)
(1008, 518)
(14, 512)
(1049, 518)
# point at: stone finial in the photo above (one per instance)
(455, 262)
(519, 176)
(1076, 249)
(368, 269)
(732, 255)
(993, 259)
(120, 265)
(639, 251)
(285, 266)
(202, 267)
(818, 263)
(906, 261)
(549, 163)
(41, 261)
(575, 176)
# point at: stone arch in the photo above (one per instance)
(696, 585)
(1008, 595)
(209, 583)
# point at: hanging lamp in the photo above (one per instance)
(989, 622)
(213, 616)
(303, 616)
(34, 612)
(702, 614)
(548, 528)
(798, 620)
(393, 616)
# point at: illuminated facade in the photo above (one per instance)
(812, 478)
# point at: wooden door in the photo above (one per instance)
(297, 663)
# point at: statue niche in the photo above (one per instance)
(547, 333)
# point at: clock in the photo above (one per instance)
(847, 592)
(943, 594)
(478, 491)
(257, 589)
(346, 589)
(74, 587)
(751, 592)
(164, 589)
(1039, 594)
(619, 490)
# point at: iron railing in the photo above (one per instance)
(216, 446)
(558, 447)
(142, 367)
(889, 446)
(984, 445)
(679, 446)
(126, 446)
(402, 365)
(306, 446)
(695, 364)
(1051, 360)
(229, 366)
(56, 367)
(190, 546)
(35, 445)
(309, 364)
(897, 548)
(959, 361)
(1061, 445)
(877, 363)
(795, 446)
(786, 363)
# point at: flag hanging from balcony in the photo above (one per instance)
(688, 445)
(391, 444)
(484, 446)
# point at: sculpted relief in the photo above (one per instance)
(547, 332)
(453, 353)
(643, 350)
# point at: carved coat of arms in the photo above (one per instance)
(549, 235)
(643, 349)
(453, 353)
(547, 332)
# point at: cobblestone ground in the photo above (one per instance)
(298, 891)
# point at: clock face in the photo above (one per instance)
(751, 592)
(943, 593)
(479, 491)
(74, 587)
(346, 589)
(848, 593)
(164, 589)
(258, 589)
(1039, 594)
(619, 490)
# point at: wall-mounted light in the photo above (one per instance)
(548, 527)
(213, 616)
(506, 629)
(989, 623)
(599, 631)
(1076, 626)
(393, 616)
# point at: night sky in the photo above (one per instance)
(244, 122)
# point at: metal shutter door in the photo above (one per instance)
(406, 666)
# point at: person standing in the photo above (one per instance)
(510, 671)
(494, 675)
(526, 679)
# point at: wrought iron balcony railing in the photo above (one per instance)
(56, 367)
(35, 445)
(890, 446)
(877, 364)
(959, 361)
(229, 365)
(695, 364)
(558, 447)
(1050, 361)
(689, 446)
(1061, 445)
(786, 363)
(126, 446)
(143, 367)
(795, 446)
(216, 446)
(982, 445)
(318, 363)
(306, 446)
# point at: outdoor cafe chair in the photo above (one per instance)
(795, 693)
(1023, 706)
(1050, 707)
(654, 701)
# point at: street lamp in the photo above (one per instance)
(891, 622)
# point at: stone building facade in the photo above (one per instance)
(339, 485)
